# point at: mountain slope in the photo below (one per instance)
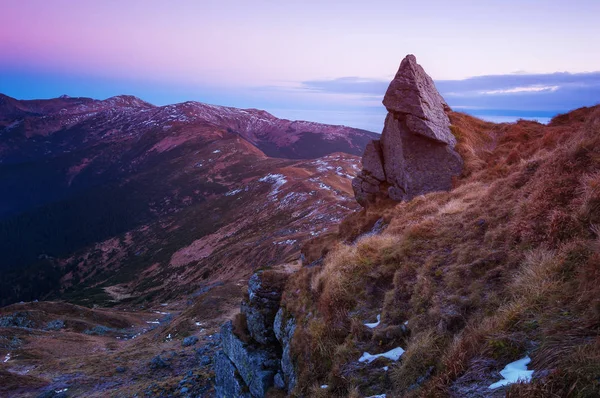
(504, 266)
(95, 186)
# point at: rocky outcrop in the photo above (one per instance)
(263, 359)
(256, 365)
(261, 305)
(228, 382)
(415, 154)
(284, 328)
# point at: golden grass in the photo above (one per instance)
(507, 263)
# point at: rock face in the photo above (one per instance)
(263, 359)
(228, 382)
(264, 294)
(256, 365)
(284, 328)
(415, 154)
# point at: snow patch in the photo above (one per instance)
(393, 354)
(375, 324)
(278, 180)
(514, 372)
(324, 386)
(285, 242)
(7, 357)
(234, 192)
(217, 151)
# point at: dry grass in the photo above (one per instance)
(505, 264)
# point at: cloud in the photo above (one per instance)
(529, 89)
(512, 93)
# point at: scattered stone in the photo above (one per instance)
(98, 330)
(56, 324)
(415, 154)
(16, 320)
(190, 340)
(205, 361)
(158, 363)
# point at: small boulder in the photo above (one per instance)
(158, 363)
(190, 340)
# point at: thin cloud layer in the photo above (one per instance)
(546, 93)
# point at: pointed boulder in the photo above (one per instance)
(416, 148)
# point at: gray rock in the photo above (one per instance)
(18, 320)
(416, 148)
(256, 365)
(413, 93)
(228, 382)
(284, 328)
(121, 369)
(56, 324)
(205, 360)
(190, 340)
(279, 382)
(158, 363)
(264, 295)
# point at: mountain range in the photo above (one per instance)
(115, 199)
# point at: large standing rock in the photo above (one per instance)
(257, 366)
(416, 152)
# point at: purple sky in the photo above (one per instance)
(321, 60)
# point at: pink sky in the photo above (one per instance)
(267, 42)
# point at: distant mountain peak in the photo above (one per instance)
(128, 100)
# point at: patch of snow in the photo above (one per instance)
(285, 242)
(154, 322)
(234, 192)
(198, 323)
(278, 180)
(514, 372)
(324, 386)
(162, 313)
(59, 391)
(385, 368)
(393, 354)
(377, 396)
(325, 186)
(405, 323)
(375, 324)
(7, 357)
(217, 151)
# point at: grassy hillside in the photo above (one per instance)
(505, 265)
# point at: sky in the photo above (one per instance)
(327, 61)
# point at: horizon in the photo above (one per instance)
(306, 61)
